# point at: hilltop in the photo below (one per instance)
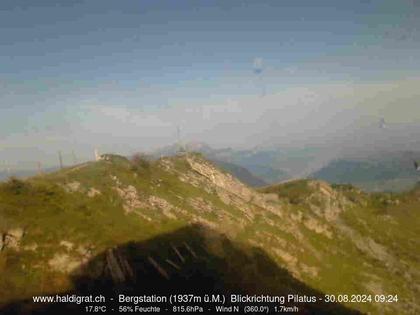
(224, 159)
(371, 170)
(182, 219)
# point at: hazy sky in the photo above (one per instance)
(122, 75)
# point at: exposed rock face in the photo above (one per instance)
(318, 227)
(72, 187)
(11, 239)
(134, 203)
(230, 190)
(85, 253)
(225, 181)
(68, 245)
(32, 247)
(311, 271)
(64, 263)
(163, 205)
(331, 202)
(201, 205)
(92, 192)
(131, 198)
(129, 195)
(368, 246)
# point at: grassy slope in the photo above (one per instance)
(390, 220)
(333, 263)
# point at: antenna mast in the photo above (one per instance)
(74, 157)
(60, 159)
(39, 168)
(178, 139)
(7, 168)
(97, 155)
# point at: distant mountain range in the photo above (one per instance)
(373, 171)
(263, 165)
(257, 167)
(382, 171)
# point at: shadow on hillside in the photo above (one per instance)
(191, 260)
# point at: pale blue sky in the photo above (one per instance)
(122, 75)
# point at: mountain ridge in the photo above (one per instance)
(56, 223)
(383, 171)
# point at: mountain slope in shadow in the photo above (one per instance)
(194, 260)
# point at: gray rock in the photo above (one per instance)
(72, 187)
(12, 238)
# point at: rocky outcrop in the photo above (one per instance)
(325, 201)
(64, 263)
(11, 239)
(72, 187)
(318, 227)
(368, 246)
(202, 205)
(230, 190)
(134, 203)
(68, 245)
(163, 205)
(92, 192)
(31, 247)
(129, 195)
(220, 179)
(69, 257)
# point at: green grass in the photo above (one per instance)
(50, 214)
